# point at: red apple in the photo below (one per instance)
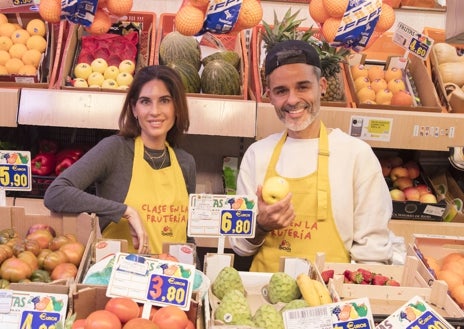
(396, 161)
(398, 171)
(423, 189)
(397, 195)
(413, 168)
(428, 198)
(403, 182)
(386, 166)
(411, 193)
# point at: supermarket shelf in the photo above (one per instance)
(100, 110)
(414, 130)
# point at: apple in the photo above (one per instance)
(82, 70)
(403, 182)
(396, 161)
(386, 166)
(127, 66)
(423, 189)
(111, 72)
(99, 65)
(110, 83)
(413, 168)
(397, 172)
(95, 79)
(275, 189)
(124, 79)
(80, 83)
(397, 195)
(428, 198)
(411, 193)
(450, 213)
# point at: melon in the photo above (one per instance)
(220, 78)
(176, 47)
(228, 55)
(189, 76)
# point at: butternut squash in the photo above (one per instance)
(452, 72)
(446, 53)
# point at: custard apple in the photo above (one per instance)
(294, 304)
(282, 288)
(267, 316)
(227, 279)
(234, 308)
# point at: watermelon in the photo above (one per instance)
(176, 47)
(220, 78)
(189, 75)
(228, 55)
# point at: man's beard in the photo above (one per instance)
(298, 124)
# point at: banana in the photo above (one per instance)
(323, 292)
(308, 289)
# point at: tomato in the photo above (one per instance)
(79, 324)
(170, 317)
(40, 226)
(140, 323)
(124, 308)
(30, 259)
(57, 242)
(42, 236)
(102, 319)
(64, 271)
(53, 259)
(14, 269)
(41, 256)
(74, 251)
(190, 325)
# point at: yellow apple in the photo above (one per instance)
(124, 79)
(275, 189)
(127, 66)
(110, 83)
(412, 193)
(397, 195)
(82, 70)
(95, 79)
(428, 198)
(111, 72)
(99, 65)
(80, 83)
(398, 171)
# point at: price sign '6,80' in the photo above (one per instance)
(15, 170)
(236, 222)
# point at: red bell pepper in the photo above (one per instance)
(48, 146)
(43, 164)
(69, 153)
(63, 165)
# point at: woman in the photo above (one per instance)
(142, 177)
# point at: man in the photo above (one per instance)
(338, 203)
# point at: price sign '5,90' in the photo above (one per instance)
(15, 170)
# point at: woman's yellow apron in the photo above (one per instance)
(313, 229)
(161, 199)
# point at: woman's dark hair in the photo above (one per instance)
(128, 125)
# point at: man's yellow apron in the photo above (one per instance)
(161, 199)
(313, 229)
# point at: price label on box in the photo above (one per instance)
(412, 41)
(214, 215)
(15, 170)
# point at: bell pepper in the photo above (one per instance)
(48, 146)
(43, 164)
(71, 153)
(63, 165)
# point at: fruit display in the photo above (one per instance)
(22, 47)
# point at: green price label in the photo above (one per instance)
(236, 222)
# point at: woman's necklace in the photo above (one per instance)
(157, 159)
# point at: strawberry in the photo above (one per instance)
(379, 280)
(356, 277)
(347, 276)
(367, 275)
(391, 282)
(326, 275)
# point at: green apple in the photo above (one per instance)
(80, 83)
(275, 189)
(99, 65)
(111, 72)
(95, 78)
(127, 66)
(110, 84)
(82, 70)
(124, 79)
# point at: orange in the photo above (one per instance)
(119, 7)
(317, 11)
(396, 85)
(402, 98)
(365, 94)
(386, 18)
(393, 73)
(335, 8)
(101, 23)
(431, 262)
(4, 56)
(101, 3)
(202, 4)
(329, 28)
(452, 257)
(5, 43)
(383, 97)
(7, 29)
(17, 50)
(378, 84)
(458, 295)
(359, 71)
(189, 20)
(13, 65)
(361, 82)
(3, 18)
(32, 57)
(3, 70)
(451, 278)
(140, 323)
(20, 36)
(27, 70)
(50, 10)
(250, 14)
(375, 72)
(456, 267)
(36, 26)
(37, 42)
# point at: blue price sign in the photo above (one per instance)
(168, 290)
(413, 41)
(419, 48)
(36, 319)
(428, 320)
(15, 170)
(236, 222)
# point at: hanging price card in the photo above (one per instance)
(214, 215)
(413, 41)
(156, 281)
(15, 170)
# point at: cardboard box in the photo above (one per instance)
(236, 43)
(145, 53)
(44, 76)
(257, 87)
(450, 192)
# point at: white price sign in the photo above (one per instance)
(413, 41)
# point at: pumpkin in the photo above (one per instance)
(189, 76)
(220, 78)
(175, 48)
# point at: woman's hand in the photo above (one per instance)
(139, 236)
